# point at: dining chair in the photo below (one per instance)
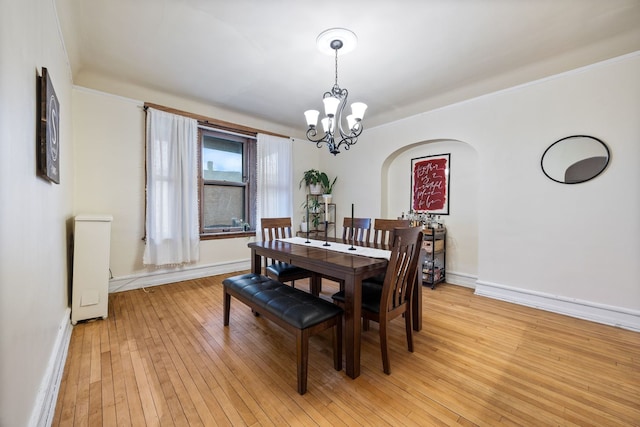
(383, 229)
(280, 228)
(361, 228)
(393, 299)
(382, 233)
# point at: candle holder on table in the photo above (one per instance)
(326, 232)
(308, 241)
(352, 231)
(327, 200)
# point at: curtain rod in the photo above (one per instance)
(213, 122)
(221, 130)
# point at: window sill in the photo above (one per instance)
(227, 235)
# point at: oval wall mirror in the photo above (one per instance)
(575, 159)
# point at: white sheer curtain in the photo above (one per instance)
(275, 178)
(172, 190)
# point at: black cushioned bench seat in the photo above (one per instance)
(292, 309)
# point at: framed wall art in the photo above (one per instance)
(430, 184)
(49, 135)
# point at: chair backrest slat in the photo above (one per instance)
(361, 229)
(383, 229)
(275, 228)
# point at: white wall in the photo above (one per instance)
(575, 244)
(34, 214)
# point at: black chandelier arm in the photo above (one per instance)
(337, 92)
(349, 139)
(343, 94)
(326, 138)
(312, 132)
(353, 134)
(347, 142)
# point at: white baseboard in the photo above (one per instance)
(178, 274)
(45, 407)
(599, 313)
(461, 279)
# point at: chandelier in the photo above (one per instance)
(331, 41)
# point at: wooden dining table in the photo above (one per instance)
(352, 269)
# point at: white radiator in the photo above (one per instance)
(92, 240)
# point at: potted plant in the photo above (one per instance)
(327, 186)
(312, 179)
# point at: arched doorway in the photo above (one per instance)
(462, 221)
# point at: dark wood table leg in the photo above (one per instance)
(316, 284)
(256, 268)
(353, 306)
(416, 306)
(256, 262)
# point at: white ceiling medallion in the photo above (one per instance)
(341, 35)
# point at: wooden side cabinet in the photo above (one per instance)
(434, 244)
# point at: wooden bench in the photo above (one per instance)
(296, 311)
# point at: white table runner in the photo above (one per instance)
(341, 247)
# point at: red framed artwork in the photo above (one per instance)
(430, 184)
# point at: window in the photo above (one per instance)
(228, 183)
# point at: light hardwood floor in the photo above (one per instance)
(163, 357)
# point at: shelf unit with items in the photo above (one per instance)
(316, 216)
(434, 245)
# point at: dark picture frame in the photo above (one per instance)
(49, 130)
(430, 184)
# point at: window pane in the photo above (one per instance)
(227, 182)
(221, 159)
(223, 207)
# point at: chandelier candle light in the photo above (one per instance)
(331, 41)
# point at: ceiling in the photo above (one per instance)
(259, 57)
